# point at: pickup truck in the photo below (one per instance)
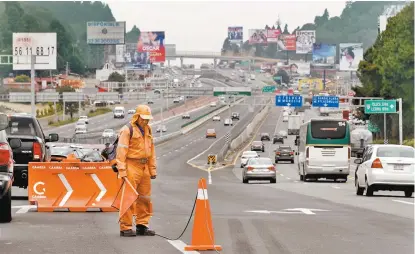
(33, 145)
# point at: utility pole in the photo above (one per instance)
(32, 85)
(67, 68)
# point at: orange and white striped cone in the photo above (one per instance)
(203, 237)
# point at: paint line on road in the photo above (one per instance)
(403, 202)
(282, 175)
(335, 187)
(288, 178)
(179, 245)
(24, 208)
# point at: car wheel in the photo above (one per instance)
(244, 180)
(273, 180)
(369, 189)
(301, 178)
(359, 190)
(408, 193)
(6, 207)
(276, 161)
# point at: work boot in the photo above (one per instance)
(127, 233)
(143, 230)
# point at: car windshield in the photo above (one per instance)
(211, 131)
(260, 161)
(61, 151)
(396, 151)
(285, 148)
(249, 154)
(21, 126)
(118, 111)
(264, 134)
(91, 154)
(257, 143)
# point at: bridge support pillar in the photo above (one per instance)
(181, 62)
(215, 60)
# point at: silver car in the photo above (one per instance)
(259, 169)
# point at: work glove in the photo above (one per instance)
(153, 177)
(122, 174)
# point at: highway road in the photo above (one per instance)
(345, 223)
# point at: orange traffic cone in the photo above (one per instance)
(202, 235)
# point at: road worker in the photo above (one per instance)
(136, 160)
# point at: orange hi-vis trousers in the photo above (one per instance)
(139, 176)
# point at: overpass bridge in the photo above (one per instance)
(217, 56)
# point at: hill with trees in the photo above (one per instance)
(68, 19)
(357, 23)
(388, 70)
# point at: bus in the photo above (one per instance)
(324, 149)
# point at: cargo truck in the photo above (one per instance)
(294, 122)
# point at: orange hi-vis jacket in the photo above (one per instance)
(138, 147)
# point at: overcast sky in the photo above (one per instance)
(202, 26)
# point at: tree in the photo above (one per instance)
(286, 29)
(388, 69)
(116, 77)
(22, 79)
(132, 36)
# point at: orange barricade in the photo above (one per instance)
(72, 185)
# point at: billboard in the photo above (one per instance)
(273, 35)
(134, 59)
(235, 34)
(287, 42)
(105, 32)
(350, 56)
(153, 44)
(324, 54)
(311, 84)
(42, 45)
(305, 40)
(119, 53)
(257, 36)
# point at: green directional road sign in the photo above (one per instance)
(380, 106)
(268, 89)
(237, 91)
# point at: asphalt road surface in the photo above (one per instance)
(344, 222)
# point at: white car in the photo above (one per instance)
(228, 122)
(84, 118)
(216, 118)
(80, 123)
(131, 111)
(176, 100)
(246, 155)
(80, 129)
(161, 128)
(385, 167)
(108, 133)
(213, 104)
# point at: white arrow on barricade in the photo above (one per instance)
(68, 189)
(100, 186)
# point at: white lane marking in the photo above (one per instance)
(295, 181)
(403, 202)
(288, 178)
(158, 158)
(100, 186)
(176, 150)
(282, 175)
(335, 187)
(164, 155)
(24, 208)
(68, 189)
(179, 245)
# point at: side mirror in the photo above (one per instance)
(358, 161)
(53, 137)
(4, 121)
(15, 143)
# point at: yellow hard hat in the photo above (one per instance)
(144, 112)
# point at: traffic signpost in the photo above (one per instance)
(380, 106)
(326, 101)
(268, 89)
(288, 100)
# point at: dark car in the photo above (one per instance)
(33, 145)
(235, 115)
(297, 139)
(278, 139)
(6, 170)
(284, 153)
(265, 136)
(186, 116)
(258, 146)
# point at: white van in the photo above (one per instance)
(119, 112)
(285, 115)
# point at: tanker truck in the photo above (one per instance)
(360, 137)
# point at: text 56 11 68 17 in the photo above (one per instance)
(38, 51)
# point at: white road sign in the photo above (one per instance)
(41, 45)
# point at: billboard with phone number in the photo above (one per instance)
(153, 44)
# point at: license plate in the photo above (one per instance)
(398, 166)
(261, 170)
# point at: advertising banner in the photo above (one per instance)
(257, 36)
(235, 34)
(273, 35)
(311, 84)
(119, 53)
(350, 56)
(134, 59)
(105, 32)
(153, 44)
(305, 40)
(288, 42)
(324, 54)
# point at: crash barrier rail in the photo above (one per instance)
(236, 131)
(158, 140)
(247, 133)
(206, 117)
(72, 185)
